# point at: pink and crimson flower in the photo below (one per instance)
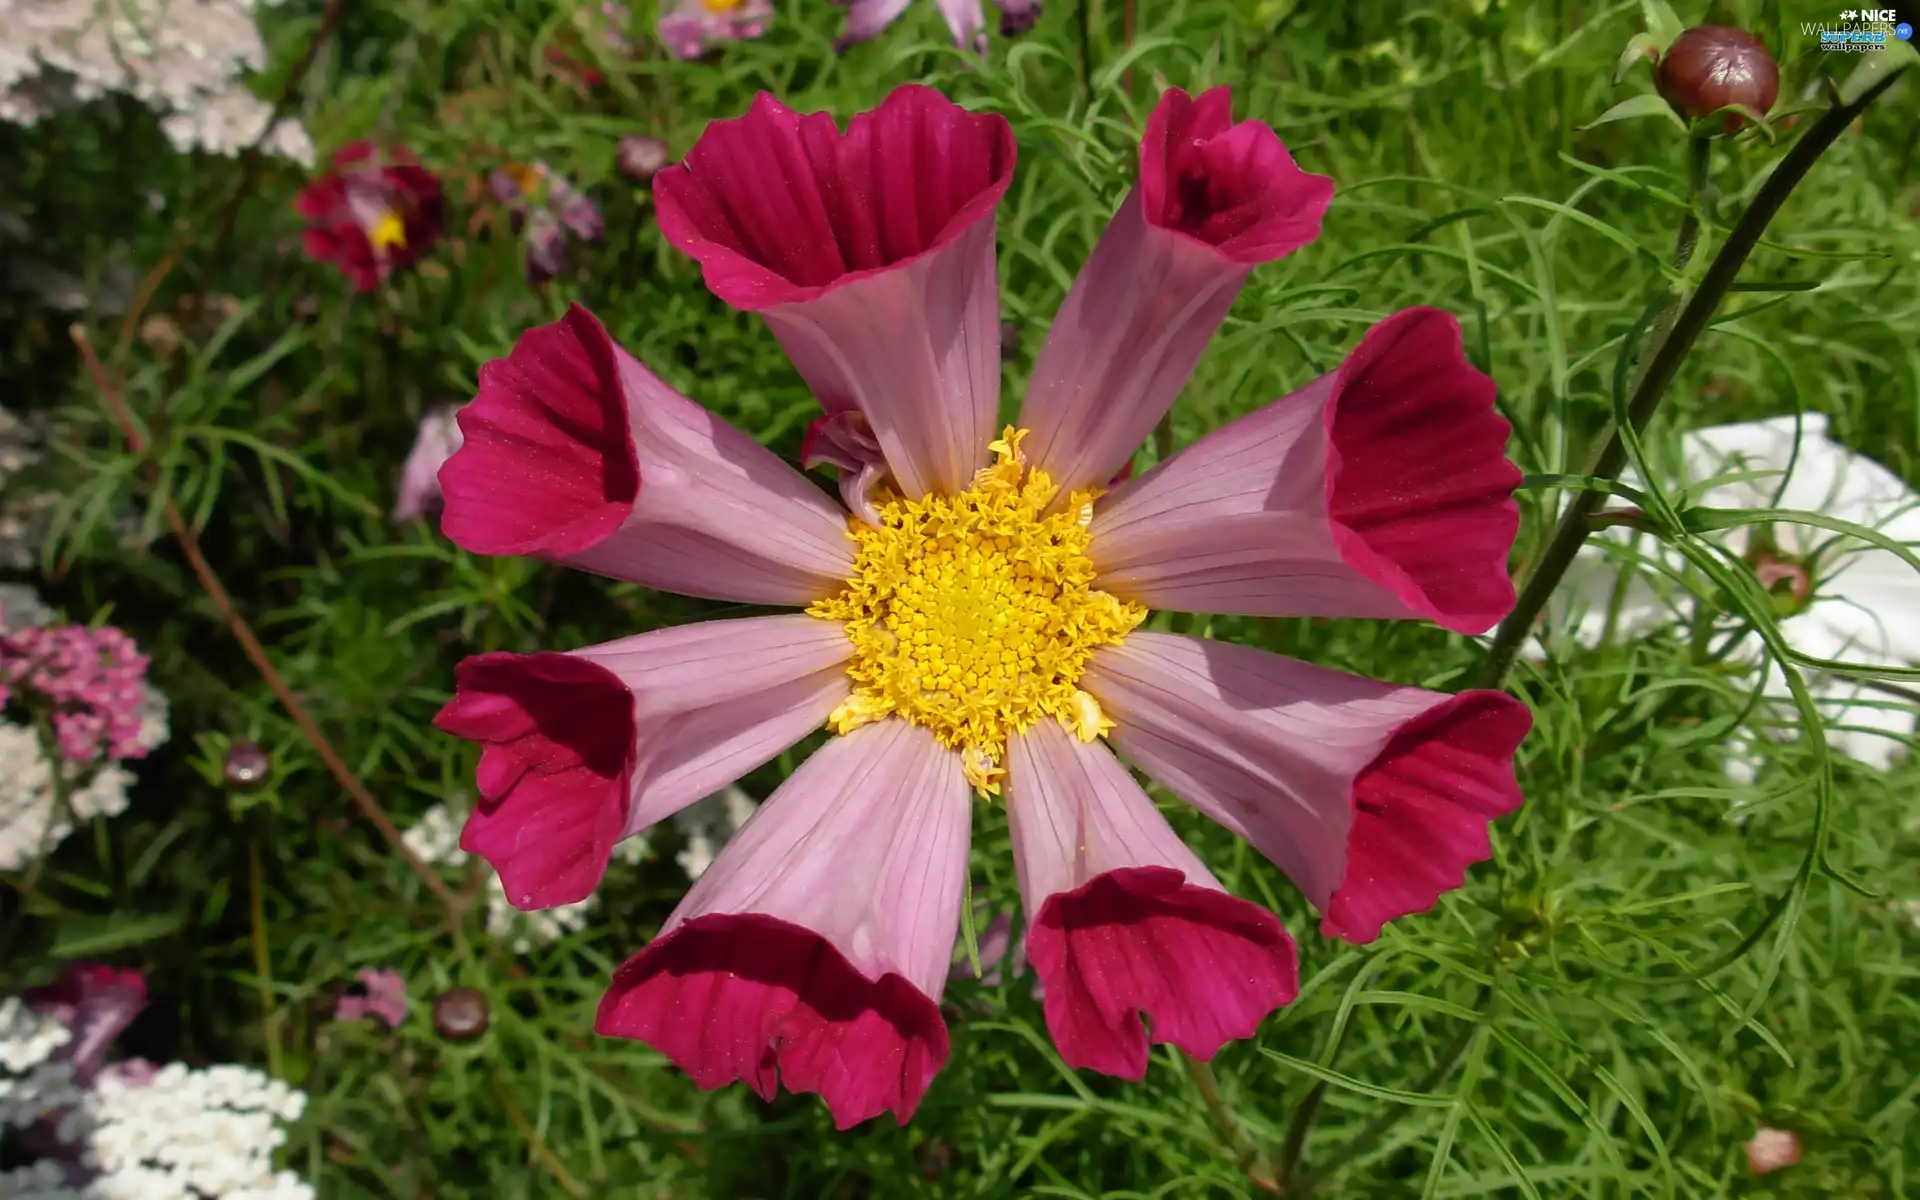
(375, 212)
(969, 623)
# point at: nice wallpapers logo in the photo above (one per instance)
(1863, 29)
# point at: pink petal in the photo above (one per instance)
(96, 1003)
(1130, 923)
(844, 441)
(868, 19)
(575, 451)
(436, 442)
(1380, 490)
(1373, 798)
(385, 998)
(557, 733)
(715, 700)
(812, 953)
(967, 21)
(1232, 187)
(1215, 200)
(588, 748)
(870, 255)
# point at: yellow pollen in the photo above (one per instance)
(526, 175)
(717, 7)
(973, 615)
(388, 230)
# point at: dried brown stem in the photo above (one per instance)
(255, 652)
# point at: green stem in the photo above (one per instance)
(1232, 1136)
(1288, 1164)
(1660, 369)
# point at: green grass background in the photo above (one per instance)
(1613, 1029)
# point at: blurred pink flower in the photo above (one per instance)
(999, 948)
(983, 634)
(96, 1003)
(436, 442)
(373, 213)
(1772, 1149)
(545, 207)
(966, 20)
(693, 27)
(385, 998)
(93, 680)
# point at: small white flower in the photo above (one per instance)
(435, 840)
(708, 823)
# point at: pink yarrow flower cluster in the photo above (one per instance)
(93, 680)
(970, 623)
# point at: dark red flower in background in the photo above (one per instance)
(373, 213)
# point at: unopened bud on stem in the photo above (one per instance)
(1711, 67)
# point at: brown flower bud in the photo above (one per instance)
(1712, 66)
(642, 157)
(1009, 338)
(936, 1160)
(460, 1015)
(247, 766)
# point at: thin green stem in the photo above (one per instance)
(1309, 1111)
(1226, 1125)
(1662, 365)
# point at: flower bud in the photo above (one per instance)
(460, 1015)
(1018, 16)
(1009, 338)
(247, 766)
(1772, 1149)
(642, 157)
(1711, 67)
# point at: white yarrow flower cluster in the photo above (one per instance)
(435, 840)
(27, 1038)
(182, 58)
(22, 520)
(1846, 600)
(185, 1133)
(32, 1082)
(31, 819)
(139, 1134)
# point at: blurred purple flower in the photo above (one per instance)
(95, 1002)
(436, 442)
(386, 998)
(576, 210)
(694, 27)
(641, 157)
(617, 19)
(545, 205)
(966, 19)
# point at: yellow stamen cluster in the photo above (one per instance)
(388, 230)
(720, 7)
(973, 615)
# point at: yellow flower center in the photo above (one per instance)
(525, 176)
(388, 230)
(717, 7)
(973, 615)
